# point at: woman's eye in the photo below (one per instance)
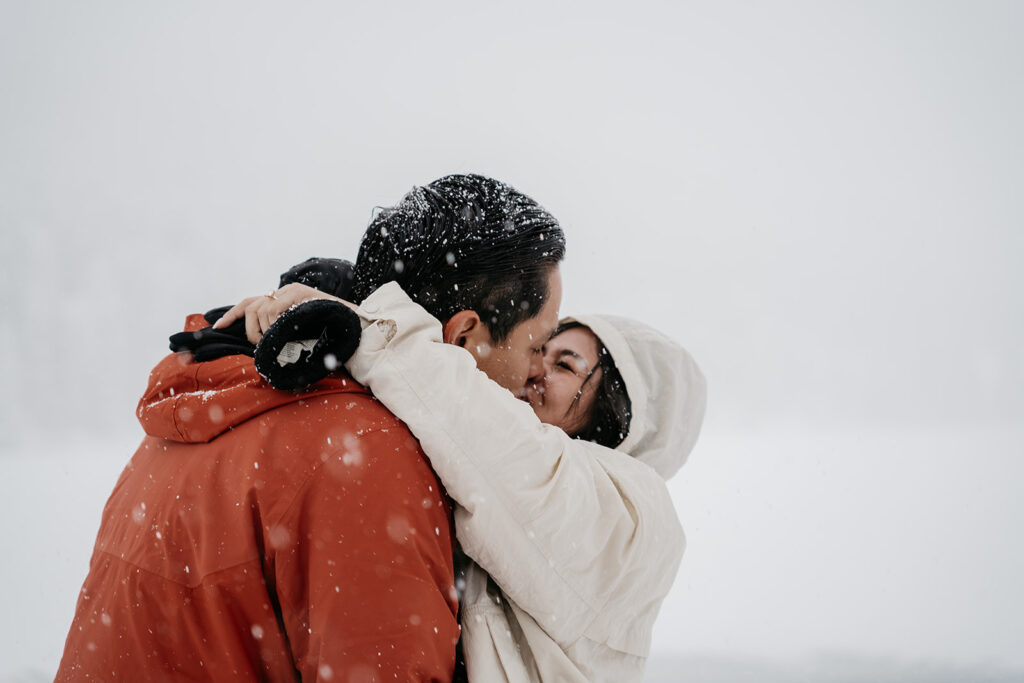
(563, 364)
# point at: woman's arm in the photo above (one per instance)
(582, 537)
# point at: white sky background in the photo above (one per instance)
(822, 201)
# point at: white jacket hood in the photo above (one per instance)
(667, 391)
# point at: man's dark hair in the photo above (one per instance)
(464, 242)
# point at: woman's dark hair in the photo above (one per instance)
(464, 242)
(608, 421)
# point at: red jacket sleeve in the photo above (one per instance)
(363, 564)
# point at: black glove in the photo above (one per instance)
(306, 343)
(330, 275)
(210, 344)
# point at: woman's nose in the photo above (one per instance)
(538, 368)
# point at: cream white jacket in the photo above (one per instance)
(575, 545)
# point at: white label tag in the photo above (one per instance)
(292, 351)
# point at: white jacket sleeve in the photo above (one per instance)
(582, 537)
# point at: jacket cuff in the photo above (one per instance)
(389, 317)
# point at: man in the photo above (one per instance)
(260, 534)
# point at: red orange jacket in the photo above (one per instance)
(266, 535)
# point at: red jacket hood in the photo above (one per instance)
(194, 402)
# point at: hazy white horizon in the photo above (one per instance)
(820, 200)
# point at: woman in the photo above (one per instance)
(573, 544)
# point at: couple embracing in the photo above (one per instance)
(479, 491)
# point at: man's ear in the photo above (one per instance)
(461, 327)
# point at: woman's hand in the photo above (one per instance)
(260, 312)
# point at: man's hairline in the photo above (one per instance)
(546, 269)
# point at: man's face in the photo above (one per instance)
(519, 358)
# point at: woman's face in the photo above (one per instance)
(566, 393)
